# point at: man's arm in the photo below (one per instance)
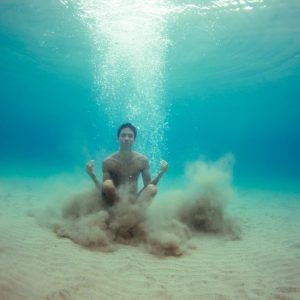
(105, 170)
(146, 173)
(162, 170)
(90, 170)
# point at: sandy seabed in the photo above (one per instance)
(264, 263)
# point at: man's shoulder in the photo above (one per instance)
(110, 159)
(141, 158)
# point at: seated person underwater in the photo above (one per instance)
(124, 167)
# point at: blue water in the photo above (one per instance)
(198, 78)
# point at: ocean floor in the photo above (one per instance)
(262, 262)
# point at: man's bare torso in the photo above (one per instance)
(124, 170)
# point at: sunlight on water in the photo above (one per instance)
(131, 46)
(131, 43)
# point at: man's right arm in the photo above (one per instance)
(90, 170)
(105, 170)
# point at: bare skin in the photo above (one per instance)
(124, 168)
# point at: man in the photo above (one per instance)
(123, 168)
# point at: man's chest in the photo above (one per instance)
(125, 170)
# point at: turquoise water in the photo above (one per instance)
(198, 78)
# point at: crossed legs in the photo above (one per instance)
(111, 196)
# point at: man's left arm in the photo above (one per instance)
(146, 174)
(163, 168)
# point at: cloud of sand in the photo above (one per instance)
(165, 225)
(199, 207)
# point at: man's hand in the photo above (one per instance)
(163, 166)
(90, 170)
(90, 167)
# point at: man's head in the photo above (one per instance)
(126, 135)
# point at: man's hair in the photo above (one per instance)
(127, 125)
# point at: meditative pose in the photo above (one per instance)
(123, 168)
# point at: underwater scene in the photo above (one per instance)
(150, 149)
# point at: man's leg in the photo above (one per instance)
(109, 192)
(148, 193)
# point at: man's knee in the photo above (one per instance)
(108, 185)
(151, 190)
(109, 192)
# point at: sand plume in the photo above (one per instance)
(164, 225)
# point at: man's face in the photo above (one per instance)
(126, 138)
